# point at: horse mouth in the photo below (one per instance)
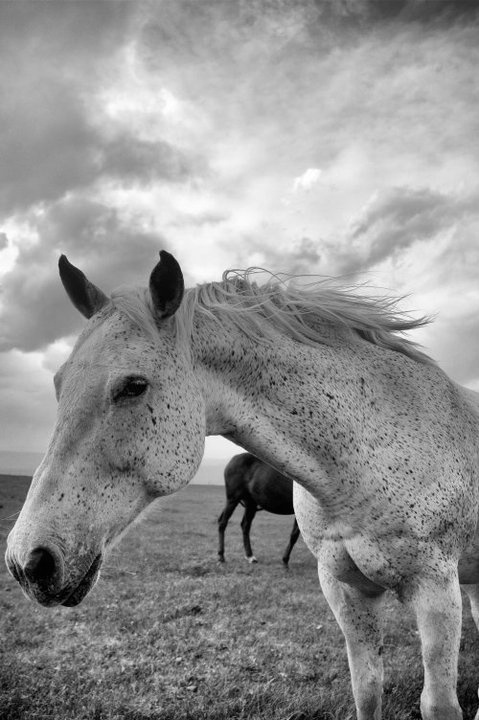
(75, 596)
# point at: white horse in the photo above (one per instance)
(314, 381)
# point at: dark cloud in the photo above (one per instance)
(263, 65)
(3, 241)
(129, 158)
(35, 309)
(396, 219)
(428, 11)
(195, 220)
(391, 224)
(46, 153)
(360, 12)
(85, 32)
(304, 85)
(209, 40)
(301, 258)
(228, 55)
(55, 59)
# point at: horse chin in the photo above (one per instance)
(85, 585)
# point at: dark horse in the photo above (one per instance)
(256, 486)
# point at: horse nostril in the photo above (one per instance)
(40, 565)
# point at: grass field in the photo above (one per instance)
(170, 634)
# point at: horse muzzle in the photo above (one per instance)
(42, 576)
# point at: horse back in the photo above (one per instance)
(250, 480)
(270, 490)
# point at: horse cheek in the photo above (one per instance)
(174, 441)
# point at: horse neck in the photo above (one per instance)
(284, 402)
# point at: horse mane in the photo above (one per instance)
(304, 309)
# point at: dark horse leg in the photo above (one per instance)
(222, 523)
(292, 542)
(249, 513)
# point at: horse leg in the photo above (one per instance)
(249, 513)
(222, 523)
(472, 591)
(438, 608)
(292, 542)
(359, 616)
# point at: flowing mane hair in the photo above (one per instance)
(302, 308)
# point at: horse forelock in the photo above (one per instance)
(299, 306)
(136, 304)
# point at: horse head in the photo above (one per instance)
(130, 427)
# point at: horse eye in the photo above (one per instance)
(132, 387)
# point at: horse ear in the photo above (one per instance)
(166, 285)
(85, 296)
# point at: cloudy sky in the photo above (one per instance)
(328, 136)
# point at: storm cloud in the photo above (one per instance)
(36, 311)
(327, 136)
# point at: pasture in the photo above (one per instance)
(171, 634)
